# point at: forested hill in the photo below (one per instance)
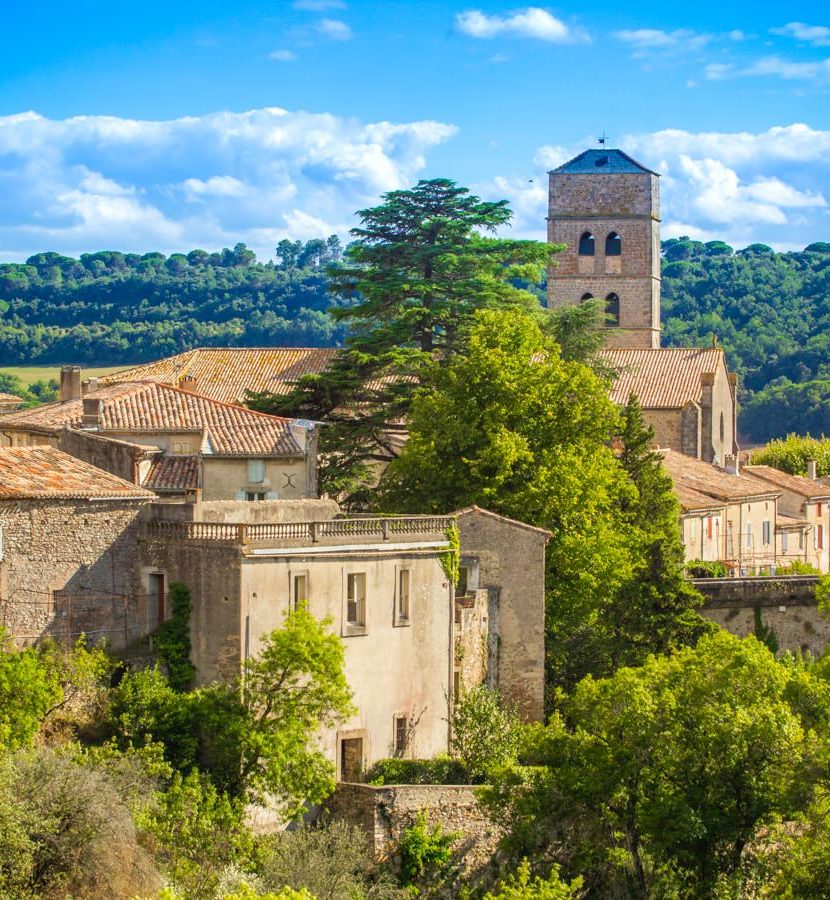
(770, 311)
(111, 308)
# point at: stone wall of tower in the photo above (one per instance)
(627, 204)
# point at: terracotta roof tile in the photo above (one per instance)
(174, 473)
(665, 378)
(45, 472)
(690, 499)
(704, 478)
(151, 408)
(227, 373)
(797, 484)
(9, 399)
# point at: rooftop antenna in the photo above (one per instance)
(603, 139)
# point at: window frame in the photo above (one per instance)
(403, 611)
(616, 245)
(358, 624)
(293, 599)
(586, 245)
(256, 467)
(400, 747)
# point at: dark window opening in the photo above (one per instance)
(612, 310)
(351, 759)
(586, 244)
(613, 245)
(586, 297)
(401, 734)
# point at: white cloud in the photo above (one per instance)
(95, 182)
(817, 35)
(532, 22)
(282, 55)
(334, 30)
(646, 38)
(739, 187)
(773, 67)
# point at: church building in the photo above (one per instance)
(604, 207)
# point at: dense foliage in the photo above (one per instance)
(791, 454)
(770, 311)
(109, 308)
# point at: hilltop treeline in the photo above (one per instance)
(110, 308)
(770, 311)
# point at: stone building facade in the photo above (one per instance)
(605, 208)
(68, 537)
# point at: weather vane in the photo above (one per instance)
(602, 139)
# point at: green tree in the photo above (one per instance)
(485, 732)
(657, 778)
(173, 639)
(418, 269)
(28, 690)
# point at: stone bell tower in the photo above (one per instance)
(605, 207)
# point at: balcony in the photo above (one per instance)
(332, 532)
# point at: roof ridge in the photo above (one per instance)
(172, 387)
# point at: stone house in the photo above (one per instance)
(805, 515)
(688, 397)
(383, 584)
(68, 534)
(9, 403)
(739, 526)
(173, 441)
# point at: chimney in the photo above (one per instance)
(189, 383)
(812, 473)
(92, 412)
(89, 386)
(70, 383)
(731, 464)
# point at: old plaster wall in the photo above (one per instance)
(227, 479)
(395, 667)
(511, 560)
(110, 455)
(80, 547)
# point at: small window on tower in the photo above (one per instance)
(612, 311)
(586, 244)
(613, 245)
(586, 297)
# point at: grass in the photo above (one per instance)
(29, 374)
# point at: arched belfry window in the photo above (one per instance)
(586, 297)
(612, 311)
(586, 244)
(613, 245)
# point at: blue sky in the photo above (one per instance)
(170, 126)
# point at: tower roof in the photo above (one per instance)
(603, 162)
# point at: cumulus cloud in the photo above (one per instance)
(282, 55)
(740, 187)
(643, 40)
(532, 22)
(816, 35)
(334, 30)
(772, 67)
(96, 182)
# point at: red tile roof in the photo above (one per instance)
(664, 378)
(174, 473)
(226, 373)
(704, 478)
(45, 472)
(151, 408)
(10, 399)
(797, 484)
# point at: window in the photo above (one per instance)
(800, 540)
(820, 537)
(722, 428)
(612, 310)
(785, 541)
(299, 590)
(403, 595)
(463, 581)
(351, 759)
(401, 734)
(255, 495)
(155, 600)
(586, 297)
(818, 509)
(692, 529)
(708, 528)
(749, 534)
(613, 245)
(766, 532)
(356, 598)
(586, 244)
(256, 471)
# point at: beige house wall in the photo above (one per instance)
(395, 668)
(697, 543)
(227, 479)
(718, 408)
(511, 563)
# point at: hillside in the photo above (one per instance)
(770, 311)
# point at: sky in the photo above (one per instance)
(170, 126)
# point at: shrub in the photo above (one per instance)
(519, 886)
(438, 770)
(425, 851)
(792, 453)
(173, 639)
(797, 567)
(699, 568)
(486, 733)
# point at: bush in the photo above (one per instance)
(699, 568)
(797, 567)
(438, 770)
(519, 886)
(486, 733)
(173, 639)
(330, 862)
(425, 851)
(792, 453)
